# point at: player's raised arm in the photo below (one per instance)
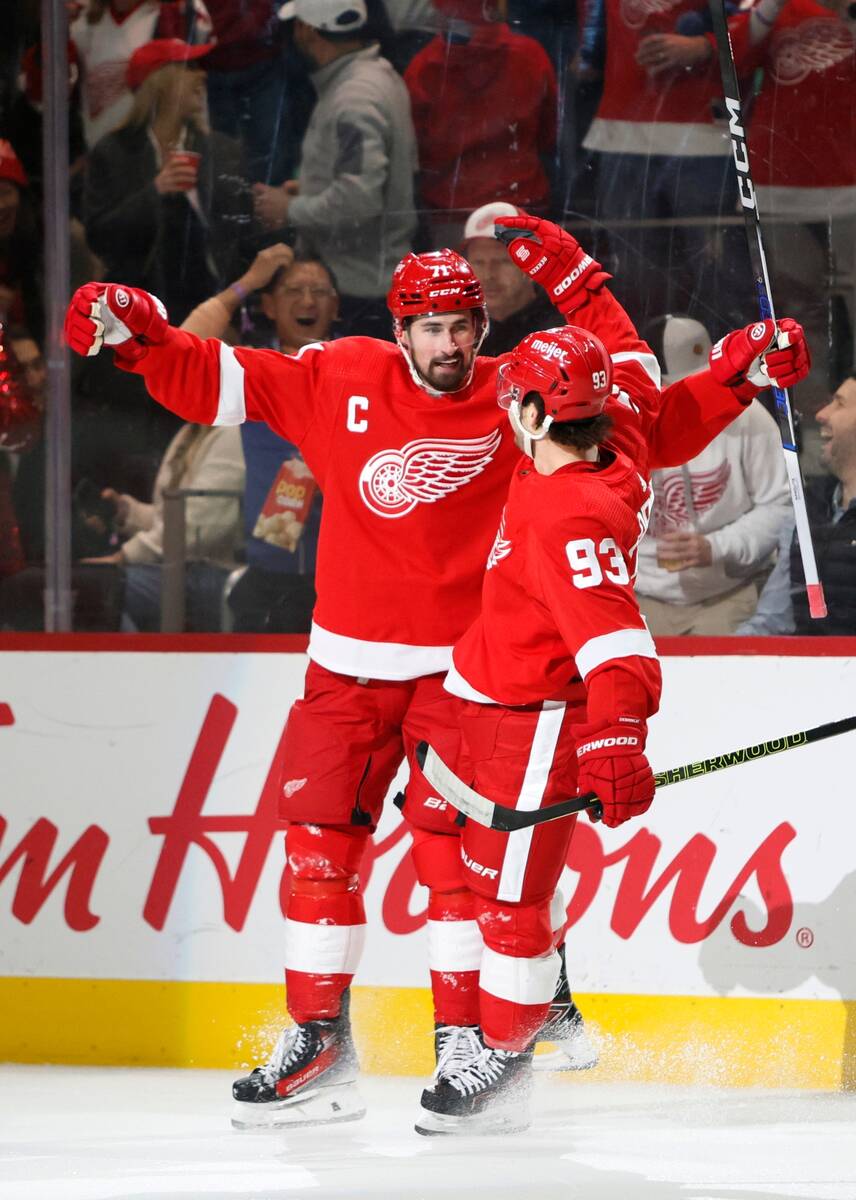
(576, 285)
(204, 381)
(742, 364)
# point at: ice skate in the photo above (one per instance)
(309, 1080)
(565, 1030)
(477, 1090)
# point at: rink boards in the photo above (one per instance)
(141, 870)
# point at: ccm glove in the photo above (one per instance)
(611, 762)
(553, 258)
(762, 355)
(109, 314)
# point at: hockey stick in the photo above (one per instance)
(498, 816)
(758, 261)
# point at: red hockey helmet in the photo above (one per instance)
(440, 281)
(568, 367)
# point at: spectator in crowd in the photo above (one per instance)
(106, 33)
(716, 521)
(802, 144)
(484, 107)
(352, 202)
(516, 306)
(20, 425)
(248, 92)
(161, 205)
(199, 457)
(28, 488)
(21, 119)
(20, 247)
(831, 502)
(662, 153)
(282, 505)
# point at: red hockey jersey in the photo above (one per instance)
(639, 113)
(558, 601)
(413, 482)
(802, 132)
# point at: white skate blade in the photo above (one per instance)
(323, 1106)
(575, 1053)
(512, 1118)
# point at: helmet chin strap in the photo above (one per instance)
(398, 331)
(526, 436)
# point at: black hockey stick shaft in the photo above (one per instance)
(507, 820)
(758, 261)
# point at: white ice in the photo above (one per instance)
(104, 1134)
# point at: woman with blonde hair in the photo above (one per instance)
(105, 34)
(166, 200)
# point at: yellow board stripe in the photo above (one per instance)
(728, 1042)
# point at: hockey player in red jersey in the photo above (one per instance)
(414, 459)
(557, 677)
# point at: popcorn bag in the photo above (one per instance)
(286, 507)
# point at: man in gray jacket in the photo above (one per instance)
(352, 202)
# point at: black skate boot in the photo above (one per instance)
(565, 1029)
(487, 1091)
(309, 1080)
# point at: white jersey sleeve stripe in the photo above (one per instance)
(647, 362)
(624, 643)
(519, 980)
(231, 409)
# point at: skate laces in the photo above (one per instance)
(290, 1045)
(476, 1076)
(460, 1045)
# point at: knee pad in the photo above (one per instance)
(437, 860)
(517, 930)
(325, 854)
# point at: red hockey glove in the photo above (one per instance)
(108, 314)
(790, 359)
(611, 762)
(552, 257)
(764, 354)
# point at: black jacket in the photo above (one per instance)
(161, 243)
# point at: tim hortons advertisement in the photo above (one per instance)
(139, 836)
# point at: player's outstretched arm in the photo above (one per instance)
(742, 364)
(204, 381)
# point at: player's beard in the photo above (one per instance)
(446, 373)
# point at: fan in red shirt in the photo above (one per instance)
(414, 459)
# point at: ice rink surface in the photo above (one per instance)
(104, 1134)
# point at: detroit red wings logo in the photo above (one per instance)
(634, 13)
(501, 547)
(812, 46)
(393, 482)
(105, 84)
(671, 510)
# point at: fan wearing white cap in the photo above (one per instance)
(515, 304)
(332, 16)
(716, 520)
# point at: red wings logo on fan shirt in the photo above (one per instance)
(634, 13)
(671, 510)
(501, 547)
(812, 46)
(105, 84)
(393, 482)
